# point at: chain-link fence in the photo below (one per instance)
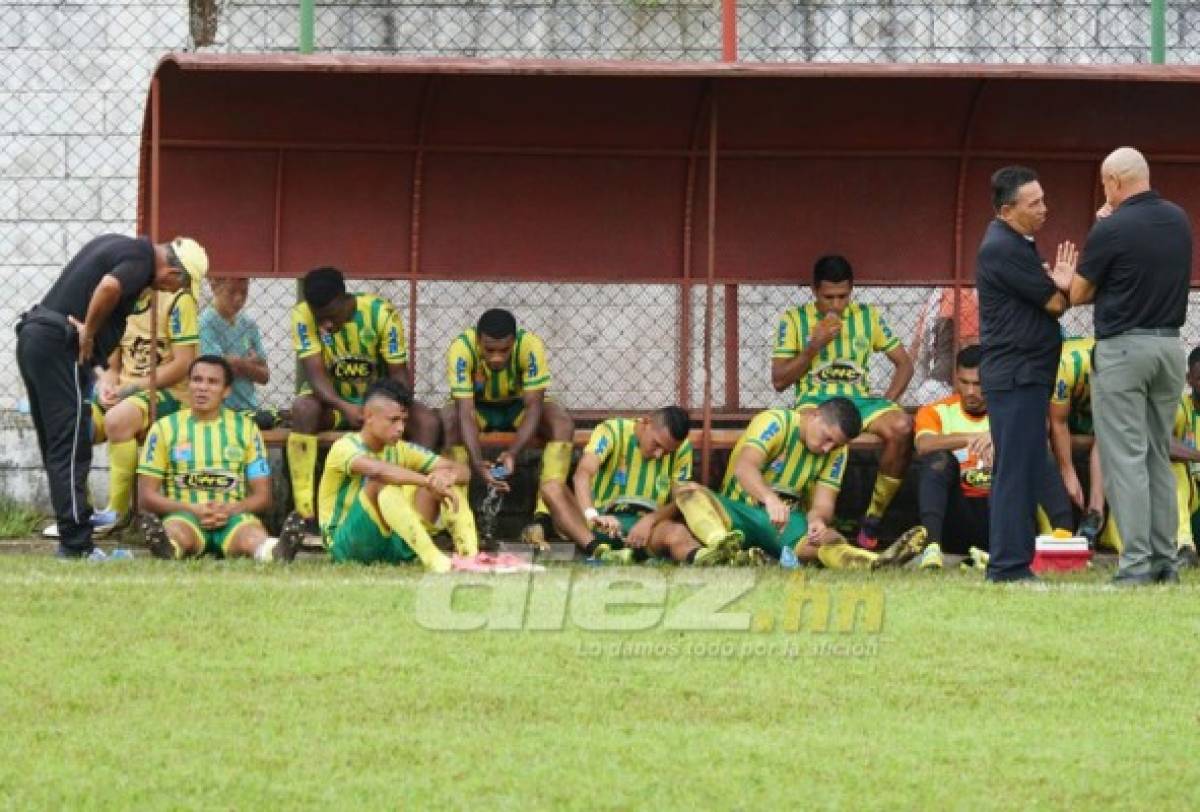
(74, 78)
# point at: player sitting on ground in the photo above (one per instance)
(824, 348)
(203, 476)
(498, 381)
(1071, 413)
(345, 342)
(1186, 459)
(780, 488)
(954, 474)
(622, 485)
(381, 497)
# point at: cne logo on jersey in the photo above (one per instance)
(352, 368)
(977, 479)
(839, 372)
(207, 481)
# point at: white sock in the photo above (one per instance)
(266, 550)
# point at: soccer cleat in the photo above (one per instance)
(976, 560)
(723, 551)
(155, 535)
(910, 545)
(291, 538)
(1090, 526)
(868, 532)
(1187, 557)
(931, 557)
(537, 533)
(622, 557)
(753, 557)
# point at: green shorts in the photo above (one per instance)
(503, 416)
(216, 542)
(358, 538)
(165, 404)
(627, 518)
(757, 529)
(870, 409)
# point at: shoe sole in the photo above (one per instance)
(156, 537)
(910, 545)
(291, 538)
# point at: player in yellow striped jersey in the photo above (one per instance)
(204, 474)
(381, 497)
(345, 342)
(1071, 413)
(621, 494)
(1185, 456)
(824, 349)
(498, 379)
(780, 487)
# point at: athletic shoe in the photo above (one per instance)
(868, 532)
(754, 557)
(724, 551)
(1090, 526)
(910, 545)
(103, 522)
(537, 533)
(976, 561)
(155, 535)
(1187, 557)
(622, 557)
(931, 557)
(291, 538)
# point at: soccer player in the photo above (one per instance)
(1185, 454)
(498, 380)
(226, 331)
(381, 497)
(954, 475)
(345, 341)
(622, 485)
(1071, 413)
(204, 474)
(780, 488)
(824, 349)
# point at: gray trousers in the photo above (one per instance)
(1136, 388)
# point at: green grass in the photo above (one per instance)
(225, 685)
(17, 519)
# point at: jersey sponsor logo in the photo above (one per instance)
(352, 368)
(303, 336)
(838, 464)
(621, 478)
(978, 478)
(176, 321)
(151, 447)
(460, 370)
(1062, 390)
(182, 453)
(140, 356)
(533, 365)
(770, 431)
(233, 454)
(781, 339)
(207, 481)
(778, 465)
(839, 372)
(393, 341)
(327, 339)
(601, 446)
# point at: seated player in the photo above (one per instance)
(121, 404)
(345, 342)
(824, 349)
(228, 332)
(1071, 413)
(498, 380)
(1185, 456)
(381, 497)
(780, 488)
(622, 485)
(954, 473)
(203, 476)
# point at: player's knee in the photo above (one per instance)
(306, 414)
(901, 426)
(121, 425)
(561, 426)
(553, 491)
(184, 536)
(938, 462)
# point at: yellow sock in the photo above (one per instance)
(704, 516)
(845, 556)
(1110, 536)
(461, 523)
(556, 462)
(458, 453)
(122, 462)
(302, 461)
(885, 490)
(398, 513)
(1183, 501)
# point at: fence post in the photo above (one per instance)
(306, 26)
(1158, 31)
(729, 33)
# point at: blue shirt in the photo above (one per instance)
(219, 337)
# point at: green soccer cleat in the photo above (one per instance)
(904, 549)
(622, 557)
(931, 557)
(724, 551)
(753, 557)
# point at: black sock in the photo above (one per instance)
(590, 549)
(640, 554)
(691, 557)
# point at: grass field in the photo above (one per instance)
(208, 684)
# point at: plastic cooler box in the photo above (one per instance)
(1054, 554)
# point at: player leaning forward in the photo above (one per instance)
(204, 475)
(381, 497)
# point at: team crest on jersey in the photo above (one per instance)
(861, 344)
(206, 481)
(978, 478)
(234, 454)
(368, 336)
(352, 368)
(182, 453)
(663, 483)
(839, 372)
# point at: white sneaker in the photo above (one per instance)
(103, 521)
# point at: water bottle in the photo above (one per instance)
(499, 472)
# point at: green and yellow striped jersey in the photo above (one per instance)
(625, 476)
(1073, 385)
(470, 376)
(789, 468)
(843, 365)
(358, 354)
(204, 461)
(340, 487)
(1187, 427)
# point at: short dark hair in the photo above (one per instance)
(969, 357)
(675, 420)
(215, 360)
(497, 323)
(1193, 358)
(833, 268)
(390, 389)
(842, 412)
(1007, 181)
(323, 285)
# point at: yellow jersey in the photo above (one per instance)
(178, 326)
(340, 486)
(625, 476)
(789, 468)
(204, 461)
(470, 376)
(1073, 384)
(1187, 427)
(842, 367)
(359, 353)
